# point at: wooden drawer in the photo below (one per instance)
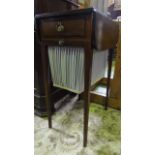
(62, 28)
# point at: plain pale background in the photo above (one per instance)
(17, 77)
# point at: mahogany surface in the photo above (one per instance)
(99, 32)
(44, 6)
(104, 33)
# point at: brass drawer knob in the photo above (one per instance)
(59, 27)
(61, 42)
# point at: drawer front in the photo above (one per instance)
(62, 28)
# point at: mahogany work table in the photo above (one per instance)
(86, 28)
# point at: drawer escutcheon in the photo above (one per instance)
(61, 42)
(59, 27)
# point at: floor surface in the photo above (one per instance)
(66, 136)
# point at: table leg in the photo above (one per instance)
(108, 78)
(87, 82)
(46, 83)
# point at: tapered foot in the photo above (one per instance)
(85, 140)
(105, 108)
(84, 145)
(85, 131)
(49, 122)
(106, 104)
(50, 126)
